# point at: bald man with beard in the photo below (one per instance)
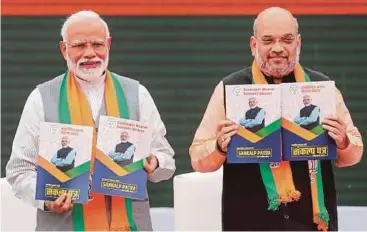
(246, 203)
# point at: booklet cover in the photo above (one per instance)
(64, 161)
(304, 105)
(122, 145)
(256, 108)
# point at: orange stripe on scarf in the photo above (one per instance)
(282, 174)
(95, 215)
(94, 212)
(119, 220)
(284, 182)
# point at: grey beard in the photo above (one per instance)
(276, 72)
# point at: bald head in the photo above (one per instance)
(276, 43)
(275, 15)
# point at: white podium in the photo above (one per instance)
(197, 201)
(15, 214)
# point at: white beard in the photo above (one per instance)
(90, 74)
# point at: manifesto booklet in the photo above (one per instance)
(122, 145)
(64, 161)
(304, 106)
(256, 109)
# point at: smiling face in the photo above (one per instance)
(276, 43)
(86, 49)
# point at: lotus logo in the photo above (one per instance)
(293, 89)
(55, 129)
(111, 123)
(236, 91)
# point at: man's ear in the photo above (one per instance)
(299, 43)
(63, 49)
(253, 44)
(109, 41)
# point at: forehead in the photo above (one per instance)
(272, 25)
(86, 29)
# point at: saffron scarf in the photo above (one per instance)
(277, 177)
(74, 109)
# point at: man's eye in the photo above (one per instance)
(288, 40)
(267, 41)
(78, 45)
(98, 44)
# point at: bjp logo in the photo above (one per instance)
(236, 91)
(293, 89)
(54, 129)
(111, 123)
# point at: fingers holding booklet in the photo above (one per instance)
(61, 205)
(225, 130)
(150, 164)
(119, 165)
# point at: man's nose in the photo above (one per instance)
(89, 52)
(277, 47)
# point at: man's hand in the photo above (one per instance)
(152, 164)
(337, 130)
(225, 130)
(60, 205)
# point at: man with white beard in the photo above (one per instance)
(79, 96)
(309, 116)
(281, 196)
(254, 118)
